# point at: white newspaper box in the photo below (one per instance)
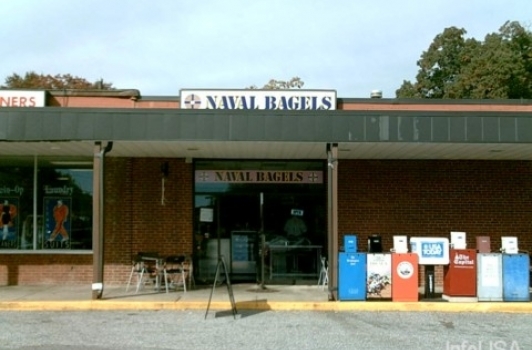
(489, 277)
(458, 240)
(509, 245)
(400, 244)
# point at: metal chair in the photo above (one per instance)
(140, 269)
(323, 279)
(174, 272)
(188, 268)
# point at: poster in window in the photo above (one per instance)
(206, 214)
(57, 226)
(9, 209)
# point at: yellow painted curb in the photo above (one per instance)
(336, 306)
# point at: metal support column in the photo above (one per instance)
(97, 218)
(332, 219)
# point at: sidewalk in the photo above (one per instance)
(246, 296)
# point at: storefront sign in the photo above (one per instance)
(15, 98)
(301, 100)
(64, 191)
(259, 176)
(431, 250)
(15, 190)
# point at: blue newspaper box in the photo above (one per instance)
(350, 244)
(352, 276)
(516, 277)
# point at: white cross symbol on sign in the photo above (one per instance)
(192, 101)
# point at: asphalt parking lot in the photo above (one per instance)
(262, 329)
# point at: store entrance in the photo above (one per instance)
(231, 221)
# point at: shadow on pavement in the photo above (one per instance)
(245, 309)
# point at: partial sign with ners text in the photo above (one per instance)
(286, 100)
(19, 98)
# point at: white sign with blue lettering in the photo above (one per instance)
(431, 250)
(296, 100)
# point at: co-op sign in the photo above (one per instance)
(297, 100)
(19, 98)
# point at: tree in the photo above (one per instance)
(274, 84)
(32, 80)
(499, 67)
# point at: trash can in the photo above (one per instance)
(379, 276)
(405, 276)
(489, 277)
(460, 276)
(352, 276)
(516, 277)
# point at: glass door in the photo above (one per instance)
(245, 198)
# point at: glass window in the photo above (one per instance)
(259, 195)
(46, 206)
(16, 202)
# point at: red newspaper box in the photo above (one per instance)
(460, 276)
(405, 274)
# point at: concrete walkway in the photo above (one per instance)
(246, 296)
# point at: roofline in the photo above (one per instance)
(430, 101)
(391, 101)
(130, 93)
(258, 112)
(135, 94)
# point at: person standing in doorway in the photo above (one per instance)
(295, 227)
(60, 213)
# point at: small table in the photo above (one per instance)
(281, 251)
(159, 263)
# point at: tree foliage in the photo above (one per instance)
(499, 67)
(275, 84)
(32, 80)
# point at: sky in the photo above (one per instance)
(162, 46)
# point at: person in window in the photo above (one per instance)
(295, 228)
(8, 212)
(60, 212)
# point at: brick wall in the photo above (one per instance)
(136, 218)
(34, 269)
(433, 198)
(407, 197)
